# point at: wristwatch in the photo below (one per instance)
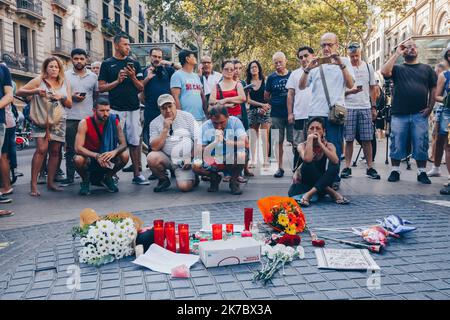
(306, 70)
(342, 66)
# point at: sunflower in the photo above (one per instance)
(283, 220)
(291, 229)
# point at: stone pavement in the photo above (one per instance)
(36, 263)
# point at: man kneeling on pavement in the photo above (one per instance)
(172, 137)
(224, 145)
(101, 148)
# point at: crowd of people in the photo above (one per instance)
(199, 124)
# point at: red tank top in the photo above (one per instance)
(232, 111)
(92, 140)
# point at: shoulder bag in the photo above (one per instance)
(337, 113)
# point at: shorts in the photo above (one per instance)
(407, 130)
(299, 132)
(96, 172)
(180, 174)
(358, 123)
(9, 140)
(130, 121)
(282, 125)
(57, 133)
(443, 118)
(255, 117)
(2, 134)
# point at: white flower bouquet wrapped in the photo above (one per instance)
(106, 240)
(278, 255)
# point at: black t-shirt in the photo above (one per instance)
(158, 85)
(124, 97)
(5, 81)
(276, 85)
(412, 86)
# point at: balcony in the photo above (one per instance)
(91, 18)
(61, 47)
(118, 4)
(61, 4)
(111, 28)
(18, 62)
(127, 11)
(30, 8)
(5, 3)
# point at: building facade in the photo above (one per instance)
(31, 30)
(424, 19)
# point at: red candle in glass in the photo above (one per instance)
(183, 236)
(248, 218)
(229, 228)
(169, 231)
(158, 232)
(217, 231)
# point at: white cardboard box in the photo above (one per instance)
(228, 252)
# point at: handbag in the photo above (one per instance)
(337, 113)
(46, 112)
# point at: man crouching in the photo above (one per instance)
(172, 136)
(224, 142)
(101, 148)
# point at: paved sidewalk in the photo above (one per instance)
(35, 265)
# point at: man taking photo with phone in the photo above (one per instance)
(360, 102)
(328, 83)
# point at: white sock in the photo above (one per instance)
(396, 168)
(420, 170)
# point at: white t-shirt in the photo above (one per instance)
(302, 98)
(185, 132)
(336, 87)
(363, 76)
(211, 82)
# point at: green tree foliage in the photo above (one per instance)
(255, 29)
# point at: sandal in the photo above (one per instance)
(249, 174)
(303, 202)
(35, 194)
(6, 213)
(342, 200)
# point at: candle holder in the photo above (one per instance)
(158, 231)
(183, 236)
(217, 231)
(229, 229)
(248, 218)
(169, 231)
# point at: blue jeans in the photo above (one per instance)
(407, 130)
(443, 118)
(334, 133)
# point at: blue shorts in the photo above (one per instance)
(407, 130)
(443, 118)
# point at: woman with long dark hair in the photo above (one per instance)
(259, 115)
(316, 178)
(49, 92)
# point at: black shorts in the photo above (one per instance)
(10, 140)
(96, 172)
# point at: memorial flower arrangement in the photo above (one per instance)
(283, 214)
(105, 239)
(278, 256)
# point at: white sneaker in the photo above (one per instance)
(434, 172)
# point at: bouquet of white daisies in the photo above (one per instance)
(106, 240)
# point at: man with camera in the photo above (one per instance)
(413, 101)
(156, 83)
(360, 102)
(83, 84)
(122, 78)
(328, 77)
(208, 76)
(172, 137)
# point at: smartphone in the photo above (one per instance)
(324, 60)
(82, 94)
(130, 64)
(110, 165)
(359, 87)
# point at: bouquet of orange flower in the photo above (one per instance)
(282, 214)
